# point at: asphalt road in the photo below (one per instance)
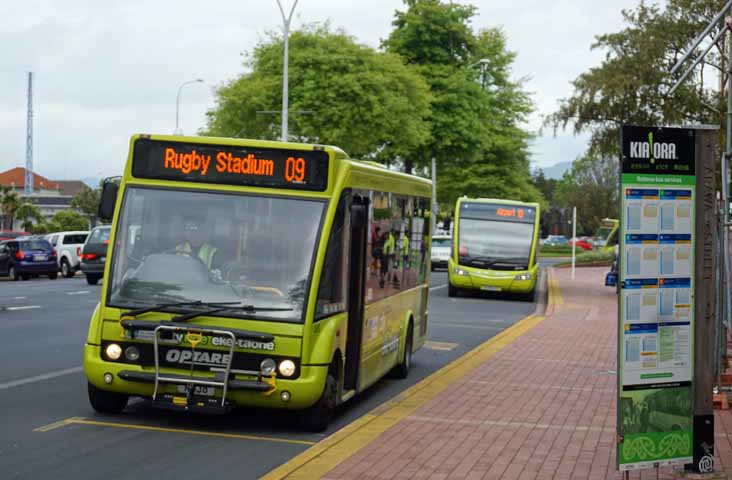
(50, 430)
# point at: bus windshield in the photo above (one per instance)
(181, 246)
(495, 244)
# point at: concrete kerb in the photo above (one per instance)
(318, 460)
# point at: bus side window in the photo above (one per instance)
(333, 278)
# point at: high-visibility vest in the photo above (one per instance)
(389, 245)
(205, 253)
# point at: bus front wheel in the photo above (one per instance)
(317, 417)
(452, 291)
(106, 402)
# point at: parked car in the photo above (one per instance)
(94, 254)
(27, 258)
(441, 245)
(68, 246)
(555, 240)
(11, 234)
(582, 243)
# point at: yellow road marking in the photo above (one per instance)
(130, 426)
(444, 346)
(55, 425)
(324, 456)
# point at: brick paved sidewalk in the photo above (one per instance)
(542, 407)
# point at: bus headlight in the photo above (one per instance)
(460, 271)
(113, 351)
(267, 367)
(287, 368)
(523, 276)
(132, 353)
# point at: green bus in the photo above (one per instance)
(256, 273)
(606, 236)
(494, 247)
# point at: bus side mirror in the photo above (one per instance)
(108, 201)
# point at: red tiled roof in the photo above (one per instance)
(16, 177)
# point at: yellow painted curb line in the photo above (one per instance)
(324, 456)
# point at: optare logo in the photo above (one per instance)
(653, 150)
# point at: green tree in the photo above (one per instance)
(68, 220)
(630, 85)
(476, 111)
(29, 215)
(87, 201)
(366, 102)
(591, 185)
(9, 202)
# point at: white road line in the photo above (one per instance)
(24, 307)
(39, 378)
(80, 292)
(438, 287)
(19, 298)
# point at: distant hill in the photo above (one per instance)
(93, 182)
(557, 170)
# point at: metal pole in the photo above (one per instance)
(696, 62)
(285, 74)
(434, 194)
(701, 36)
(574, 237)
(177, 130)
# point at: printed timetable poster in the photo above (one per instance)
(656, 301)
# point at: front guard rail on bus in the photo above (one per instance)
(193, 336)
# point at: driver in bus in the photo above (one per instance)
(196, 245)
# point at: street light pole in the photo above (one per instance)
(482, 62)
(286, 31)
(177, 103)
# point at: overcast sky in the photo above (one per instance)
(105, 70)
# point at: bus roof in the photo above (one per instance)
(500, 201)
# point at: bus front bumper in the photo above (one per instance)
(493, 280)
(139, 381)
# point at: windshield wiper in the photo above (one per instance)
(160, 306)
(251, 309)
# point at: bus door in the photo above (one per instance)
(357, 274)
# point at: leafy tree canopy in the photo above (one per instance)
(630, 85)
(366, 102)
(591, 185)
(477, 110)
(68, 220)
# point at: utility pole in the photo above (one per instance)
(28, 190)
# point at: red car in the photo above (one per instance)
(11, 234)
(581, 243)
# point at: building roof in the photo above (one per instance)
(72, 187)
(15, 177)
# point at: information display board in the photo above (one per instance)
(656, 304)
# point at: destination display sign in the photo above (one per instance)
(491, 211)
(230, 165)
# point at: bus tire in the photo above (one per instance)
(91, 279)
(317, 417)
(401, 371)
(452, 291)
(531, 296)
(106, 402)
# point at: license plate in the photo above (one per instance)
(40, 258)
(491, 288)
(202, 390)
